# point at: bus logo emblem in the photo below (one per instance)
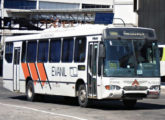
(135, 83)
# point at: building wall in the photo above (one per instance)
(54, 4)
(20, 4)
(103, 2)
(152, 14)
(123, 9)
(75, 4)
(58, 6)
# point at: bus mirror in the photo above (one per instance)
(102, 51)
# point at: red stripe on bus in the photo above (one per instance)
(33, 71)
(42, 72)
(25, 70)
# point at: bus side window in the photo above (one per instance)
(31, 51)
(160, 53)
(9, 52)
(80, 47)
(23, 58)
(55, 50)
(43, 51)
(67, 50)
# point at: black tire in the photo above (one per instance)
(82, 96)
(130, 104)
(30, 94)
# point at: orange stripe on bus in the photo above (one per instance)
(33, 71)
(42, 72)
(25, 70)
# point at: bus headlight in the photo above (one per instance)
(155, 87)
(112, 87)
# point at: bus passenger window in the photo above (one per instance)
(80, 47)
(55, 50)
(31, 51)
(67, 50)
(9, 52)
(23, 52)
(43, 51)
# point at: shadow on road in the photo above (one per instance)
(51, 99)
(103, 105)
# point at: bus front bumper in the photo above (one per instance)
(122, 94)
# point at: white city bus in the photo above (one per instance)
(86, 61)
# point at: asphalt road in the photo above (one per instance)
(13, 106)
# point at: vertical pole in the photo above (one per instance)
(137, 14)
(113, 4)
(37, 8)
(2, 12)
(80, 5)
(2, 24)
(37, 5)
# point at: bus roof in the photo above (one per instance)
(79, 30)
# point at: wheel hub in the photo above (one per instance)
(30, 92)
(82, 95)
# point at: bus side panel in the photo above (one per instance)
(61, 79)
(7, 75)
(22, 80)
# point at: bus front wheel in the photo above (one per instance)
(129, 103)
(30, 91)
(82, 96)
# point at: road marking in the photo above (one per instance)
(42, 111)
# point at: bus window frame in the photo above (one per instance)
(84, 51)
(67, 38)
(50, 40)
(12, 56)
(25, 51)
(42, 40)
(49, 48)
(36, 51)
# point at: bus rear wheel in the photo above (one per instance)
(130, 104)
(82, 96)
(30, 95)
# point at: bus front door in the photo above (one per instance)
(92, 70)
(16, 68)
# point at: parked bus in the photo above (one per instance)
(87, 61)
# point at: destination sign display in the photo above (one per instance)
(130, 33)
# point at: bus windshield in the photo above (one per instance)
(129, 58)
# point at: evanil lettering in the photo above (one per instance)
(58, 71)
